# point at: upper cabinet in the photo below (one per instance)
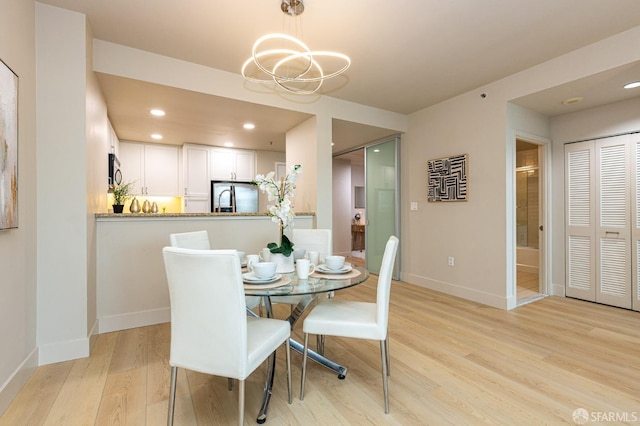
(195, 162)
(232, 164)
(153, 168)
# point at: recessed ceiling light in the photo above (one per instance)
(570, 101)
(229, 144)
(157, 112)
(156, 136)
(249, 126)
(376, 150)
(632, 85)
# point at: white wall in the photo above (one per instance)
(98, 145)
(480, 233)
(342, 203)
(73, 141)
(18, 354)
(132, 285)
(302, 146)
(265, 163)
(357, 179)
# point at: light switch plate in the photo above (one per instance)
(414, 205)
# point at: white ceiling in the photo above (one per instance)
(406, 55)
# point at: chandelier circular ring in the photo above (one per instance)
(291, 55)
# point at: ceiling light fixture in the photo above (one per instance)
(632, 85)
(156, 136)
(157, 112)
(570, 101)
(287, 62)
(249, 126)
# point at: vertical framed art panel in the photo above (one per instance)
(8, 148)
(447, 178)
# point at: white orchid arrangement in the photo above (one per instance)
(281, 212)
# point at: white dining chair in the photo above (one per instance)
(192, 240)
(210, 332)
(200, 240)
(360, 320)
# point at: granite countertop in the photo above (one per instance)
(185, 215)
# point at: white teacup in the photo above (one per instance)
(314, 257)
(265, 254)
(252, 259)
(264, 270)
(298, 253)
(304, 268)
(241, 255)
(334, 262)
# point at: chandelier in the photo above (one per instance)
(287, 62)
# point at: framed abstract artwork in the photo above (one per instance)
(447, 178)
(8, 147)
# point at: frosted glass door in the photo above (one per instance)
(382, 200)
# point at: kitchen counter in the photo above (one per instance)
(131, 284)
(186, 215)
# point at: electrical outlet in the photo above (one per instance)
(451, 263)
(414, 205)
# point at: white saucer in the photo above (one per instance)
(325, 269)
(250, 277)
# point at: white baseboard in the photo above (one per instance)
(497, 301)
(532, 269)
(64, 351)
(17, 380)
(134, 319)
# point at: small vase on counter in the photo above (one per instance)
(154, 207)
(135, 206)
(146, 207)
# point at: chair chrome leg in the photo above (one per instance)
(304, 365)
(386, 343)
(230, 383)
(241, 403)
(320, 344)
(385, 379)
(288, 348)
(172, 395)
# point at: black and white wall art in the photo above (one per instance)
(447, 178)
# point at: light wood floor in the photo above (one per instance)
(528, 286)
(452, 362)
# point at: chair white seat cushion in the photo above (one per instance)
(345, 318)
(263, 334)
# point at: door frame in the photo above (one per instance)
(544, 208)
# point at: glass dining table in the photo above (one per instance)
(306, 291)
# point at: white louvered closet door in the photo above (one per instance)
(613, 221)
(598, 213)
(580, 221)
(635, 221)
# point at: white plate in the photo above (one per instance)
(250, 277)
(325, 269)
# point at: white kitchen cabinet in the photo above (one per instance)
(153, 168)
(196, 205)
(195, 161)
(233, 164)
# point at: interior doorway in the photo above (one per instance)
(529, 179)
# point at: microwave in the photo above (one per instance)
(115, 175)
